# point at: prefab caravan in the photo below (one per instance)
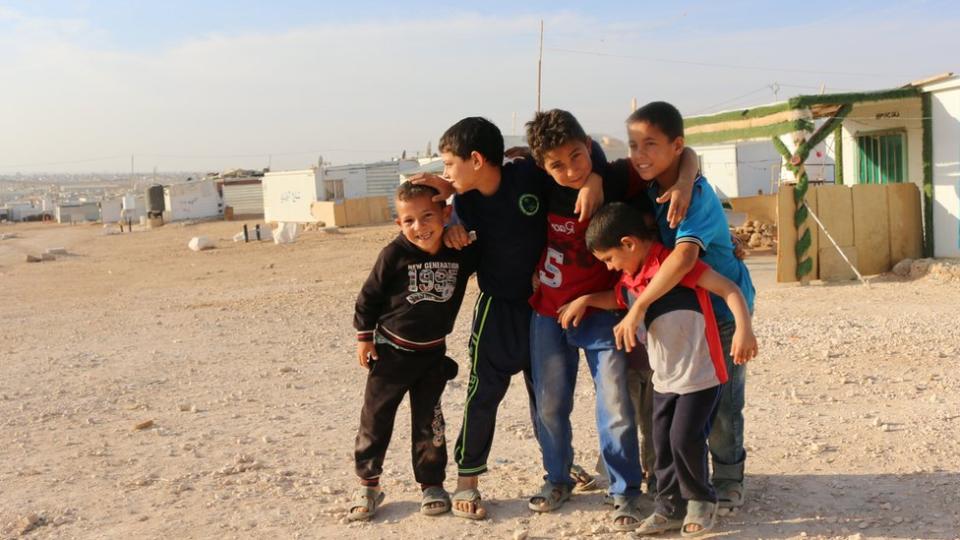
(288, 195)
(77, 212)
(192, 200)
(110, 210)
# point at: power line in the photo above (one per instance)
(714, 64)
(731, 100)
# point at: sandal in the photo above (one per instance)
(368, 498)
(552, 496)
(472, 496)
(657, 523)
(625, 507)
(702, 514)
(584, 480)
(433, 495)
(729, 494)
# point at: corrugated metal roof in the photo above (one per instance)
(383, 180)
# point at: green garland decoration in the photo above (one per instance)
(795, 165)
(743, 134)
(838, 155)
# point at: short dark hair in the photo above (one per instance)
(408, 191)
(661, 114)
(614, 221)
(552, 129)
(474, 134)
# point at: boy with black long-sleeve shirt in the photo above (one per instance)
(405, 309)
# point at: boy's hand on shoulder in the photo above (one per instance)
(456, 237)
(743, 347)
(439, 183)
(589, 198)
(625, 332)
(572, 313)
(679, 197)
(366, 351)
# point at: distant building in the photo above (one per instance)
(77, 212)
(909, 134)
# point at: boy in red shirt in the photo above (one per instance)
(683, 344)
(566, 271)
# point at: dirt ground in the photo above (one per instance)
(243, 360)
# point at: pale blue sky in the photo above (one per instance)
(210, 85)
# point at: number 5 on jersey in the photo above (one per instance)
(550, 275)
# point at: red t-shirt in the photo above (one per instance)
(567, 269)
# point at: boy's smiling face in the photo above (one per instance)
(421, 221)
(651, 150)
(569, 164)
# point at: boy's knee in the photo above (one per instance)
(552, 410)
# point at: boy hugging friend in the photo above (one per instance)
(621, 253)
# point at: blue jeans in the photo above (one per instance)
(555, 357)
(726, 439)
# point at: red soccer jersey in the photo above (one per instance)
(567, 269)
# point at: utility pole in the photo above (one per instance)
(540, 66)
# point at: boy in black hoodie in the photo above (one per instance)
(406, 308)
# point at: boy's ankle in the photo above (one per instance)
(370, 482)
(467, 482)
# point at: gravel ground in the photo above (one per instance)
(152, 392)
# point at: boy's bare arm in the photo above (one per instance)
(456, 237)
(677, 265)
(744, 346)
(680, 194)
(589, 198)
(572, 313)
(625, 331)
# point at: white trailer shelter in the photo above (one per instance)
(192, 200)
(77, 212)
(110, 210)
(134, 206)
(288, 195)
(22, 211)
(945, 120)
(365, 179)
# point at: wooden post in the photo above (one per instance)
(540, 65)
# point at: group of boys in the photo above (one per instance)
(562, 243)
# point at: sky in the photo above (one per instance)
(214, 85)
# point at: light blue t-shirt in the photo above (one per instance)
(706, 226)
